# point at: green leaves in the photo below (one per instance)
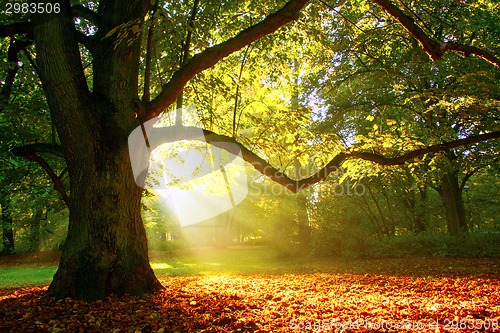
(127, 32)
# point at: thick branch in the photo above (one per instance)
(12, 57)
(434, 49)
(431, 149)
(184, 59)
(257, 162)
(38, 148)
(91, 16)
(149, 57)
(212, 55)
(30, 152)
(18, 28)
(468, 50)
(266, 169)
(271, 172)
(88, 41)
(236, 148)
(466, 178)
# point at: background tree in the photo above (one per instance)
(386, 94)
(27, 194)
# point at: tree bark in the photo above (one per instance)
(451, 195)
(106, 249)
(7, 226)
(35, 230)
(420, 212)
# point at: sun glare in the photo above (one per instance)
(199, 181)
(161, 265)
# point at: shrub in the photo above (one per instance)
(348, 244)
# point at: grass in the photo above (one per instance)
(22, 276)
(38, 269)
(262, 260)
(31, 270)
(232, 260)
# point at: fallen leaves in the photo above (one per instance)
(316, 302)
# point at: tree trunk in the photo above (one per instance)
(415, 202)
(106, 249)
(300, 214)
(35, 230)
(388, 229)
(420, 213)
(451, 195)
(7, 227)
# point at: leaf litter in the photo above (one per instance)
(303, 302)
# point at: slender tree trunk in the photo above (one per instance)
(301, 218)
(387, 229)
(415, 202)
(451, 195)
(373, 217)
(420, 212)
(35, 230)
(7, 227)
(391, 218)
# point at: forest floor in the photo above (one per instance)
(237, 290)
